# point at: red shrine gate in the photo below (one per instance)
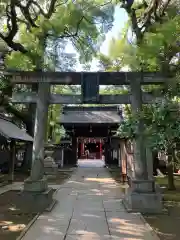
(94, 145)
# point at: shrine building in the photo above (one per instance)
(92, 129)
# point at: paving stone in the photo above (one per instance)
(113, 205)
(88, 236)
(61, 220)
(97, 226)
(89, 214)
(62, 213)
(46, 229)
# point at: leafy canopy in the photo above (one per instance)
(83, 23)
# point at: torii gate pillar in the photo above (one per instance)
(37, 181)
(142, 195)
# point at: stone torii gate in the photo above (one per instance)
(141, 195)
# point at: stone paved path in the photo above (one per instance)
(90, 163)
(89, 208)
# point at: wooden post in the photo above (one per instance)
(62, 158)
(74, 151)
(100, 148)
(123, 161)
(119, 156)
(82, 148)
(12, 159)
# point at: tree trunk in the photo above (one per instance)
(170, 171)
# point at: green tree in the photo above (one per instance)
(82, 22)
(30, 29)
(154, 47)
(155, 37)
(164, 133)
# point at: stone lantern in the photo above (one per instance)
(50, 167)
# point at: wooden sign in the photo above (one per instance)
(90, 88)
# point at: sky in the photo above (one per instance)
(120, 18)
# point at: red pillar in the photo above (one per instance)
(100, 148)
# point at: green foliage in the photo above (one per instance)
(19, 61)
(111, 89)
(164, 130)
(161, 43)
(157, 48)
(120, 53)
(56, 59)
(59, 133)
(54, 126)
(127, 128)
(105, 63)
(3, 46)
(55, 111)
(162, 125)
(84, 24)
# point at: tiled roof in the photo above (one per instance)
(11, 131)
(90, 117)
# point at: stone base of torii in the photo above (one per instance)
(142, 195)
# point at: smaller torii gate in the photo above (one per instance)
(141, 195)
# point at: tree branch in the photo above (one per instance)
(51, 9)
(12, 22)
(153, 10)
(13, 28)
(66, 31)
(127, 5)
(135, 26)
(165, 7)
(15, 46)
(26, 12)
(5, 102)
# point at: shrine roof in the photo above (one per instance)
(10, 131)
(87, 115)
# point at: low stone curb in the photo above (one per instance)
(52, 205)
(48, 209)
(153, 232)
(27, 227)
(128, 210)
(54, 202)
